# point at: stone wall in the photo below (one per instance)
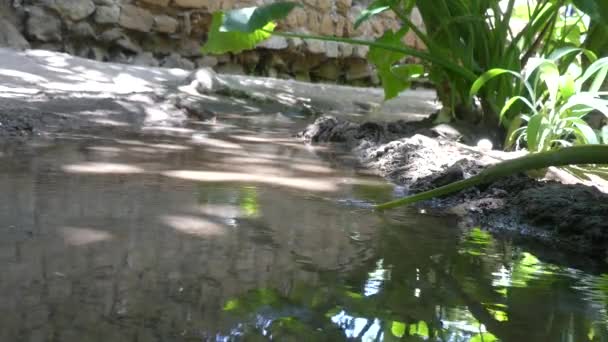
(169, 33)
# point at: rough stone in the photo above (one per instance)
(82, 30)
(189, 48)
(324, 5)
(315, 46)
(42, 25)
(135, 18)
(206, 62)
(174, 60)
(104, 2)
(327, 25)
(328, 71)
(107, 14)
(162, 3)
(75, 10)
(342, 6)
(357, 69)
(111, 35)
(10, 36)
(97, 53)
(274, 43)
(231, 69)
(145, 59)
(165, 24)
(346, 50)
(332, 49)
(193, 3)
(158, 44)
(360, 51)
(128, 45)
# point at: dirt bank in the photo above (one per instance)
(421, 157)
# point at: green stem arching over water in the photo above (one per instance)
(584, 154)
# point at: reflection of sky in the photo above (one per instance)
(353, 326)
(375, 279)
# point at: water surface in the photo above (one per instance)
(232, 231)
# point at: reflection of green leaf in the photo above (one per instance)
(249, 202)
(477, 242)
(398, 329)
(231, 304)
(420, 329)
(219, 42)
(484, 337)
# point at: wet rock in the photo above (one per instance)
(231, 69)
(75, 10)
(10, 36)
(189, 48)
(136, 18)
(107, 14)
(206, 62)
(165, 24)
(145, 59)
(357, 69)
(98, 53)
(205, 81)
(42, 25)
(174, 60)
(328, 71)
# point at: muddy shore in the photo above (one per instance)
(420, 156)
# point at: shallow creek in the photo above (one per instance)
(234, 231)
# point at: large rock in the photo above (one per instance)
(165, 24)
(10, 36)
(82, 30)
(42, 25)
(145, 59)
(194, 3)
(163, 3)
(274, 43)
(107, 14)
(75, 10)
(135, 18)
(174, 60)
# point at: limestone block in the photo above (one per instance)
(42, 25)
(165, 24)
(194, 3)
(342, 6)
(135, 18)
(82, 30)
(327, 25)
(332, 49)
(162, 3)
(346, 50)
(360, 51)
(107, 14)
(274, 43)
(315, 46)
(174, 60)
(75, 10)
(328, 71)
(324, 5)
(145, 59)
(357, 69)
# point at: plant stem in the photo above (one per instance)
(584, 154)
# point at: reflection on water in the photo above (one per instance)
(157, 238)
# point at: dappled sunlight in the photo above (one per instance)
(194, 225)
(211, 142)
(78, 236)
(109, 122)
(101, 168)
(299, 183)
(22, 75)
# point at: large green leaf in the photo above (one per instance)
(487, 76)
(251, 19)
(597, 10)
(219, 42)
(376, 7)
(384, 60)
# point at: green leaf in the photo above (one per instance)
(373, 9)
(512, 101)
(408, 71)
(594, 68)
(398, 329)
(222, 42)
(487, 76)
(549, 74)
(533, 131)
(585, 132)
(560, 53)
(384, 60)
(597, 10)
(251, 19)
(567, 87)
(484, 337)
